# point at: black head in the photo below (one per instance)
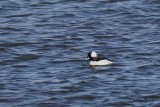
(89, 55)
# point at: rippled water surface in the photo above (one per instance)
(44, 43)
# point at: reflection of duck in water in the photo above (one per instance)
(97, 59)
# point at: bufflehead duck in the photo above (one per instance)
(97, 59)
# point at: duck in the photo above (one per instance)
(97, 59)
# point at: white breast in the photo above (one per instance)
(101, 62)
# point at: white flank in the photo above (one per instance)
(101, 62)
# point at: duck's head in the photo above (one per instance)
(92, 56)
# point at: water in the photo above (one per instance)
(43, 45)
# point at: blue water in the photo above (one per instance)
(44, 43)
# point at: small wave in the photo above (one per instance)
(156, 42)
(19, 66)
(83, 97)
(72, 89)
(19, 15)
(2, 49)
(27, 57)
(11, 29)
(16, 44)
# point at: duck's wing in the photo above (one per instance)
(101, 57)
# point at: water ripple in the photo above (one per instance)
(44, 44)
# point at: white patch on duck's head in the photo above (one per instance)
(93, 54)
